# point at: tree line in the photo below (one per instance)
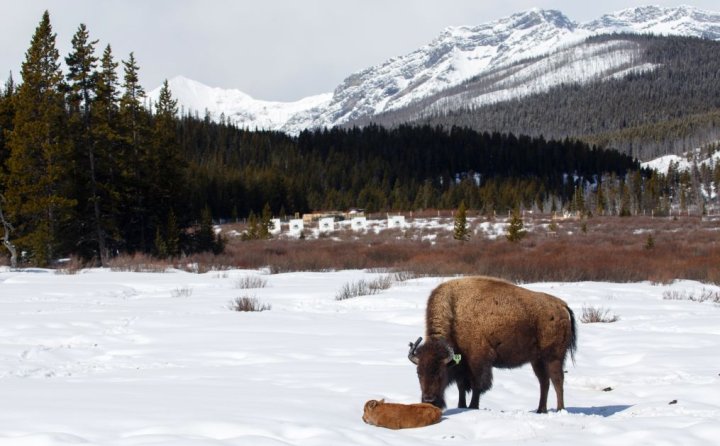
(87, 168)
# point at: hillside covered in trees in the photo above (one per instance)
(669, 109)
(88, 167)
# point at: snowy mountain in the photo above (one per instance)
(237, 106)
(459, 54)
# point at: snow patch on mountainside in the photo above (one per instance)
(577, 64)
(455, 56)
(683, 163)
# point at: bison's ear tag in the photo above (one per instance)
(457, 358)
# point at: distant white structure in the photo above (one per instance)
(275, 226)
(358, 224)
(326, 224)
(396, 221)
(296, 226)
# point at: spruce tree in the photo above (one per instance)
(205, 236)
(82, 81)
(172, 235)
(253, 231)
(107, 150)
(168, 166)
(265, 223)
(135, 169)
(461, 231)
(515, 231)
(161, 250)
(7, 114)
(40, 162)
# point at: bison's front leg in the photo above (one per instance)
(463, 386)
(482, 383)
(462, 404)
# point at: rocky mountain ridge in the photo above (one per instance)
(457, 55)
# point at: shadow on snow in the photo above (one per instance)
(602, 411)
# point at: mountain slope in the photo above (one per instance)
(459, 54)
(669, 107)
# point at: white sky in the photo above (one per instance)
(270, 49)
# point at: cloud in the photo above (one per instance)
(271, 49)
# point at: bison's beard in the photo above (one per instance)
(437, 401)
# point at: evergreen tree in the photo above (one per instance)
(82, 81)
(7, 113)
(578, 201)
(81, 77)
(461, 231)
(515, 231)
(265, 222)
(172, 235)
(164, 158)
(600, 204)
(625, 200)
(205, 236)
(253, 228)
(135, 168)
(40, 163)
(107, 152)
(161, 250)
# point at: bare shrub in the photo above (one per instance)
(248, 304)
(250, 282)
(139, 263)
(591, 315)
(72, 265)
(185, 291)
(404, 276)
(705, 295)
(381, 283)
(364, 287)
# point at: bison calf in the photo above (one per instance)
(400, 416)
(477, 323)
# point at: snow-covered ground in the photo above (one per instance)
(113, 358)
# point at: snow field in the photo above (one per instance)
(110, 358)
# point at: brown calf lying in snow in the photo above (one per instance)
(400, 416)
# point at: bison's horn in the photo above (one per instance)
(451, 355)
(413, 347)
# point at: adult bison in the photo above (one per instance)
(477, 323)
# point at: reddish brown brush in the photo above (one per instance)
(608, 249)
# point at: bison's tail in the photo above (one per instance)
(573, 334)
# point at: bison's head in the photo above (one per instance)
(433, 360)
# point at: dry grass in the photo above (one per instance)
(364, 287)
(250, 282)
(185, 291)
(139, 263)
(248, 304)
(704, 295)
(592, 315)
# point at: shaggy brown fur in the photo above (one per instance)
(400, 416)
(492, 323)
